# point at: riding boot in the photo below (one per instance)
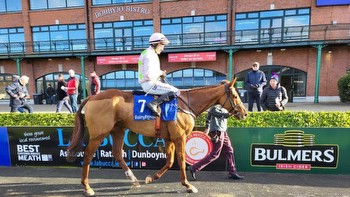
(161, 99)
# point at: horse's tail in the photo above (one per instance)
(78, 133)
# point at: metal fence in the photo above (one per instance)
(287, 35)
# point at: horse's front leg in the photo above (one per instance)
(180, 153)
(118, 139)
(170, 152)
(88, 155)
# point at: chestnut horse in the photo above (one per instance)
(111, 112)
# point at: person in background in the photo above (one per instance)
(18, 93)
(15, 78)
(95, 83)
(72, 90)
(50, 92)
(216, 126)
(254, 81)
(62, 95)
(274, 97)
(150, 75)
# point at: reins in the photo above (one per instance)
(195, 114)
(192, 111)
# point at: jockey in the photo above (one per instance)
(150, 75)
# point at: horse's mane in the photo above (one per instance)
(201, 88)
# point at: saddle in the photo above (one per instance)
(141, 92)
(141, 112)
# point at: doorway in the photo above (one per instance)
(287, 82)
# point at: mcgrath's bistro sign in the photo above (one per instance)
(122, 59)
(192, 57)
(295, 150)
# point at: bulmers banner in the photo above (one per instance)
(306, 150)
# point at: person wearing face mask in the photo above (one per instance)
(274, 97)
(151, 77)
(255, 80)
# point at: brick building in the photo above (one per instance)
(306, 42)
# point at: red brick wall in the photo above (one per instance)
(333, 65)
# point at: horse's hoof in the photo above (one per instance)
(136, 184)
(148, 179)
(192, 190)
(89, 192)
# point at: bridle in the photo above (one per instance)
(234, 107)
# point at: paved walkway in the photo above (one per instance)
(322, 106)
(54, 181)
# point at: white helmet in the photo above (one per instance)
(158, 38)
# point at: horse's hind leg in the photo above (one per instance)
(88, 155)
(170, 152)
(118, 143)
(180, 153)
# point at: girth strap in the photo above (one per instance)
(157, 126)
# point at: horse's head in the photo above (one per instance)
(232, 102)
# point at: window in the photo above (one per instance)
(59, 38)
(125, 35)
(183, 79)
(12, 40)
(124, 80)
(10, 5)
(54, 4)
(106, 2)
(189, 78)
(5, 80)
(195, 29)
(272, 26)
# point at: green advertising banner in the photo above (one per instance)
(305, 150)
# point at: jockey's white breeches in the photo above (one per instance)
(159, 87)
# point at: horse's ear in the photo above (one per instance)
(233, 82)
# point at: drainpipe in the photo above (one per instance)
(83, 83)
(318, 71)
(231, 22)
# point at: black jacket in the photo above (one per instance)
(61, 94)
(269, 95)
(255, 80)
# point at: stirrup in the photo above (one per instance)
(153, 109)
